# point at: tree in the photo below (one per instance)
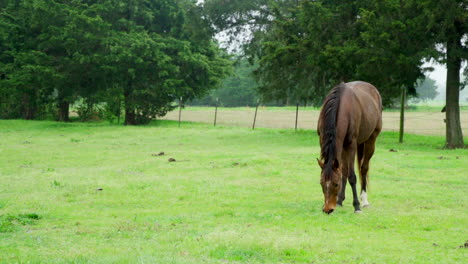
(141, 68)
(239, 89)
(393, 41)
(447, 25)
(151, 51)
(159, 55)
(426, 89)
(52, 54)
(28, 73)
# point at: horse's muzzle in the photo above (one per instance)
(328, 209)
(329, 206)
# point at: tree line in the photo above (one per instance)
(138, 55)
(303, 47)
(240, 89)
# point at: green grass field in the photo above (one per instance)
(98, 193)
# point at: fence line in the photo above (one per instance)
(421, 122)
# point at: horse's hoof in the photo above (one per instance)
(357, 211)
(365, 205)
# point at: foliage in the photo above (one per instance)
(309, 49)
(239, 89)
(152, 51)
(306, 47)
(394, 42)
(426, 89)
(447, 26)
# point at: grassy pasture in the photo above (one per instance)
(98, 193)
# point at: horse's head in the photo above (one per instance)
(330, 179)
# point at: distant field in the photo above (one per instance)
(99, 193)
(425, 120)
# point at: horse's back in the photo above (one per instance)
(366, 93)
(366, 106)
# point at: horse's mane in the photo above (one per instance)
(328, 117)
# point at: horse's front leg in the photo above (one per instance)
(344, 176)
(352, 177)
(341, 194)
(352, 182)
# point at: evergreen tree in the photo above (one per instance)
(151, 52)
(239, 89)
(426, 89)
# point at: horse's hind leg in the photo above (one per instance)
(360, 157)
(368, 151)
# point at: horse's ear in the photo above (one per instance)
(320, 163)
(336, 164)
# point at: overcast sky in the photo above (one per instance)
(439, 73)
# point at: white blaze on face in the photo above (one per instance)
(364, 199)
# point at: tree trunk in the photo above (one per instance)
(130, 118)
(63, 110)
(454, 135)
(29, 107)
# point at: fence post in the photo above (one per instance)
(402, 114)
(216, 111)
(255, 117)
(297, 114)
(180, 108)
(120, 111)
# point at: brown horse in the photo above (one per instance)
(349, 123)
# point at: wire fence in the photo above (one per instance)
(427, 122)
